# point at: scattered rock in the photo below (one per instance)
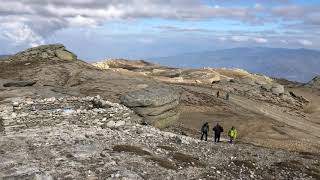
(99, 103)
(111, 124)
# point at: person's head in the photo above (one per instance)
(232, 128)
(206, 123)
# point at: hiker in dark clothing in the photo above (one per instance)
(218, 94)
(217, 132)
(205, 130)
(227, 96)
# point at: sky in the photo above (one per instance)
(141, 29)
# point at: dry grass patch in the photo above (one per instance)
(132, 149)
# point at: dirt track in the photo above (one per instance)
(258, 123)
(258, 107)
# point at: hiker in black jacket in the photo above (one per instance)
(217, 132)
(205, 130)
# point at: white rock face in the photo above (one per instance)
(277, 89)
(111, 124)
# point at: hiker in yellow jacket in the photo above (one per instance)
(232, 134)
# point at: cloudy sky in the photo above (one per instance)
(98, 29)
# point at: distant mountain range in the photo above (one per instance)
(292, 64)
(3, 56)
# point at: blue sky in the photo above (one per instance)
(139, 29)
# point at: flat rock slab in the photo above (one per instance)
(152, 96)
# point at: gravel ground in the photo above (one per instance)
(76, 138)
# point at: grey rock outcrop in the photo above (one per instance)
(45, 52)
(157, 104)
(315, 82)
(276, 89)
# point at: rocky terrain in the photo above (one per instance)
(89, 138)
(314, 83)
(62, 118)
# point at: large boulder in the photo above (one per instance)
(277, 89)
(155, 111)
(156, 104)
(206, 76)
(153, 96)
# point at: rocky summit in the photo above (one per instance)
(63, 118)
(52, 52)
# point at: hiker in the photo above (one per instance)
(217, 132)
(227, 96)
(232, 134)
(205, 130)
(218, 94)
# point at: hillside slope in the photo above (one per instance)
(62, 118)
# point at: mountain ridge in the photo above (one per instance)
(285, 63)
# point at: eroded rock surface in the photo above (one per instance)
(157, 104)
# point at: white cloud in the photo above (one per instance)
(258, 7)
(222, 39)
(260, 40)
(82, 21)
(240, 38)
(305, 42)
(19, 33)
(43, 17)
